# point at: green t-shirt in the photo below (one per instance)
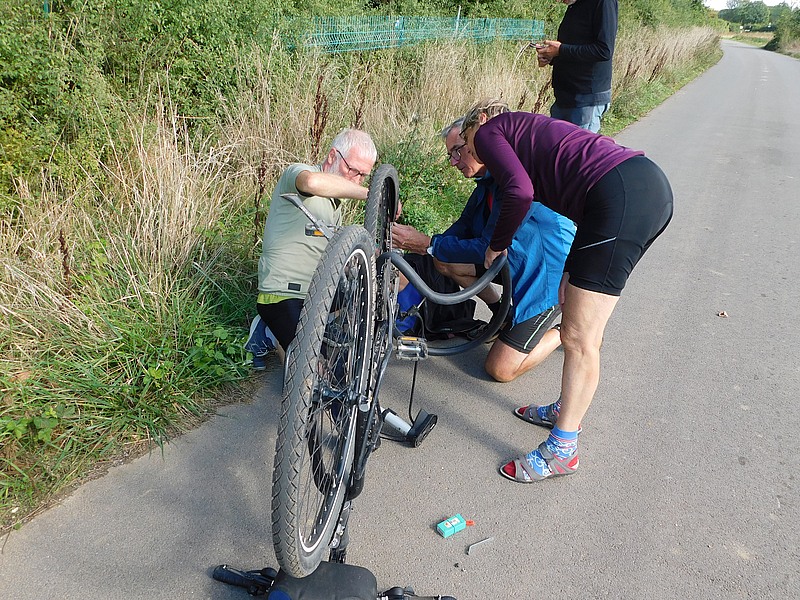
(288, 255)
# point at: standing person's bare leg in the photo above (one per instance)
(583, 322)
(584, 318)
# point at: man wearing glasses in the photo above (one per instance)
(536, 260)
(288, 255)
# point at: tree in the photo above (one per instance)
(777, 11)
(749, 14)
(754, 15)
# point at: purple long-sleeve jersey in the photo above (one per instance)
(556, 163)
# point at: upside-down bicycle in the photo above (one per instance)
(331, 419)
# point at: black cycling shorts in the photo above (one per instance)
(282, 318)
(625, 211)
(524, 336)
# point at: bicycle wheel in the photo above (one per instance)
(327, 373)
(381, 208)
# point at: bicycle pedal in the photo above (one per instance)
(312, 231)
(421, 428)
(411, 348)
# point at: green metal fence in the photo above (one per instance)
(346, 34)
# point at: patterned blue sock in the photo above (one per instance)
(550, 412)
(560, 443)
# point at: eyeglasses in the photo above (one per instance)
(455, 153)
(350, 170)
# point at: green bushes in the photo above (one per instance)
(70, 69)
(69, 72)
(787, 32)
(782, 18)
(123, 305)
(29, 84)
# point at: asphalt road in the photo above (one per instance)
(689, 458)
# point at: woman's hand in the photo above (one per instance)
(491, 255)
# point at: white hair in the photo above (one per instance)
(349, 139)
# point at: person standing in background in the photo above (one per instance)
(581, 61)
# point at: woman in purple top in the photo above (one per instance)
(620, 202)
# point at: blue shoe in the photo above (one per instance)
(260, 343)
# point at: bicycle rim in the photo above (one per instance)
(326, 375)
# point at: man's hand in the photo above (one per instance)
(406, 237)
(491, 255)
(547, 51)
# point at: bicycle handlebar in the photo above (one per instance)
(298, 203)
(415, 597)
(257, 583)
(398, 593)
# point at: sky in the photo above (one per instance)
(720, 4)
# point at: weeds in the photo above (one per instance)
(648, 68)
(119, 341)
(320, 122)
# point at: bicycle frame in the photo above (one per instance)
(384, 337)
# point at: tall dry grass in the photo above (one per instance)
(644, 57)
(138, 232)
(392, 94)
(388, 93)
(120, 307)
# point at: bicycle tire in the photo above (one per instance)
(326, 376)
(383, 201)
(381, 209)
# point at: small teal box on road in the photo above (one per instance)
(451, 526)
